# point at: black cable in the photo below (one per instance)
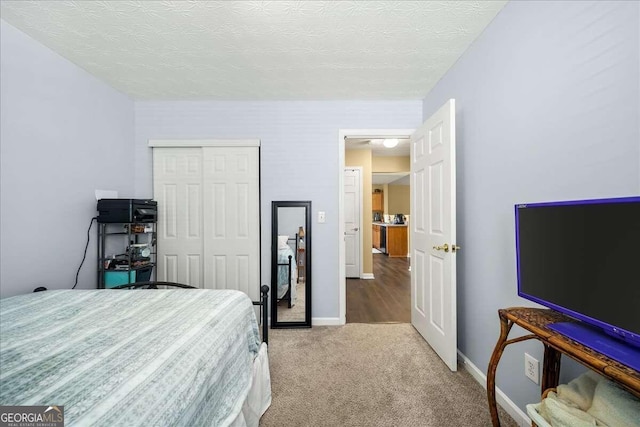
(85, 250)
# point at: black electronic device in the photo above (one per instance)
(127, 210)
(581, 258)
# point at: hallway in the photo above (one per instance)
(387, 298)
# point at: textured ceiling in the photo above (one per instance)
(258, 49)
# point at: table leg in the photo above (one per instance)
(550, 368)
(505, 327)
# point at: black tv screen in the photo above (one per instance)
(583, 258)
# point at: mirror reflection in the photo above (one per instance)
(290, 264)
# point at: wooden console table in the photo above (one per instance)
(535, 320)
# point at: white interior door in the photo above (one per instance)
(352, 228)
(177, 187)
(232, 218)
(433, 233)
(208, 217)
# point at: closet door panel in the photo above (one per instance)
(232, 219)
(177, 187)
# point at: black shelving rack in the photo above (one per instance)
(122, 246)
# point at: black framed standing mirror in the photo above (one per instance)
(291, 264)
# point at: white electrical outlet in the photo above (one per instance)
(531, 368)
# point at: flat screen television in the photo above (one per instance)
(582, 258)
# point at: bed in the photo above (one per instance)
(287, 271)
(185, 357)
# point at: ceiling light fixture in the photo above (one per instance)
(390, 143)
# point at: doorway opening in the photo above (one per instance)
(381, 291)
(386, 298)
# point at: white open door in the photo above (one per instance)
(352, 200)
(433, 233)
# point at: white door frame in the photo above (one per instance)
(342, 134)
(204, 143)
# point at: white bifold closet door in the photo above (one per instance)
(208, 217)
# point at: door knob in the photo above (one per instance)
(444, 247)
(455, 248)
(355, 229)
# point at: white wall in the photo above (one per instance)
(548, 108)
(299, 160)
(63, 134)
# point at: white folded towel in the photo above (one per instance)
(591, 400)
(559, 413)
(615, 406)
(580, 390)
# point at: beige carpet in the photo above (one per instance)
(368, 375)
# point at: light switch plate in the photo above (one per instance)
(321, 217)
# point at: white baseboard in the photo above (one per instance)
(507, 404)
(367, 276)
(325, 321)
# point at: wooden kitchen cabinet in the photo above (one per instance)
(390, 239)
(375, 237)
(397, 241)
(377, 201)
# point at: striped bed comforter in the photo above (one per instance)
(127, 358)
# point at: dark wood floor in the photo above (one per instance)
(385, 299)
